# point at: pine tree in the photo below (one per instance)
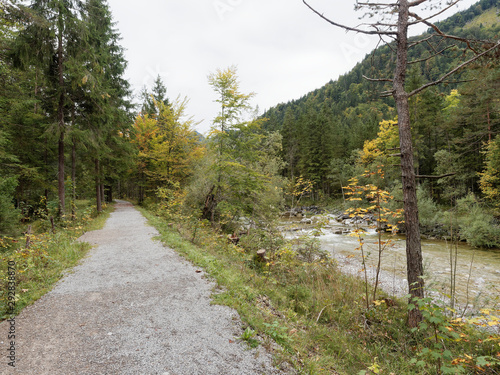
(158, 94)
(107, 104)
(45, 46)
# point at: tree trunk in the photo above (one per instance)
(73, 165)
(413, 245)
(141, 187)
(488, 118)
(60, 121)
(60, 175)
(109, 193)
(103, 197)
(97, 186)
(73, 180)
(46, 171)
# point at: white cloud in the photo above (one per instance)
(282, 50)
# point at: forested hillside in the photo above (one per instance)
(325, 131)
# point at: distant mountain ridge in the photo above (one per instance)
(324, 128)
(480, 21)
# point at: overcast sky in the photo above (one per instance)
(281, 49)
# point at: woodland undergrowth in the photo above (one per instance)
(37, 259)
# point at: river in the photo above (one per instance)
(477, 270)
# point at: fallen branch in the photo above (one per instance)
(436, 177)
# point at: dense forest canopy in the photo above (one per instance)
(69, 131)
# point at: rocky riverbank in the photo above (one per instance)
(307, 215)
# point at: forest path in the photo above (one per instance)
(132, 306)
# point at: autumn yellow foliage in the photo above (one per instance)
(379, 149)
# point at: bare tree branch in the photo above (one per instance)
(461, 81)
(441, 80)
(386, 94)
(435, 14)
(377, 79)
(416, 3)
(410, 45)
(438, 31)
(432, 46)
(348, 28)
(430, 57)
(435, 177)
(381, 40)
(390, 5)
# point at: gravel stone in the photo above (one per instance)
(132, 306)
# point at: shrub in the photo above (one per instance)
(428, 212)
(9, 216)
(477, 226)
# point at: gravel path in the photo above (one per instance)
(131, 307)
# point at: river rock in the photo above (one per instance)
(340, 218)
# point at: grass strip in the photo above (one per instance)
(35, 269)
(318, 316)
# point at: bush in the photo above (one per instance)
(477, 226)
(428, 212)
(9, 216)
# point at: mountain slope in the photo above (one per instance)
(328, 124)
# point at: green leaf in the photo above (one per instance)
(447, 354)
(483, 361)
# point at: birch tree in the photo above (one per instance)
(391, 22)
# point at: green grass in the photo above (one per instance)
(489, 18)
(49, 255)
(316, 314)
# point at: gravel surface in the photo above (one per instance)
(131, 307)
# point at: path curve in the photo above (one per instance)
(131, 307)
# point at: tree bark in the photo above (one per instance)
(97, 186)
(60, 121)
(413, 245)
(103, 197)
(73, 180)
(60, 178)
(73, 165)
